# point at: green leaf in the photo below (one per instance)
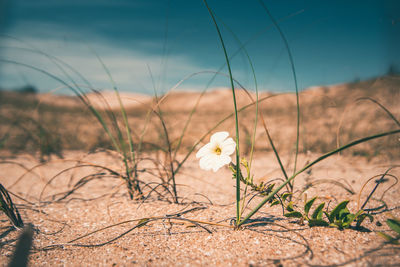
(276, 202)
(293, 214)
(338, 224)
(308, 205)
(394, 225)
(335, 212)
(348, 220)
(317, 214)
(269, 187)
(317, 222)
(344, 214)
(289, 207)
(285, 196)
(334, 225)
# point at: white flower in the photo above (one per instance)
(217, 153)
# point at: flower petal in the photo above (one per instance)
(216, 166)
(228, 146)
(206, 149)
(210, 158)
(204, 163)
(207, 162)
(224, 159)
(218, 137)
(220, 162)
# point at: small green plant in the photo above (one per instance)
(394, 224)
(340, 216)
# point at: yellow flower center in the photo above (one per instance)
(217, 150)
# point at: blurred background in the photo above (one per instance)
(152, 45)
(149, 46)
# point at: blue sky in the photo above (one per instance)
(156, 44)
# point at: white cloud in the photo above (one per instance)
(129, 68)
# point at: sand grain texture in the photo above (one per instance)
(274, 239)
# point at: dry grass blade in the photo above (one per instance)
(346, 111)
(177, 216)
(383, 178)
(347, 187)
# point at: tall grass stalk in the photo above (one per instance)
(242, 47)
(129, 171)
(236, 113)
(287, 48)
(157, 110)
(253, 138)
(357, 101)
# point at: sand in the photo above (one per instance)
(272, 240)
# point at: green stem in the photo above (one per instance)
(236, 115)
(123, 112)
(295, 83)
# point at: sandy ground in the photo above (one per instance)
(272, 240)
(197, 231)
